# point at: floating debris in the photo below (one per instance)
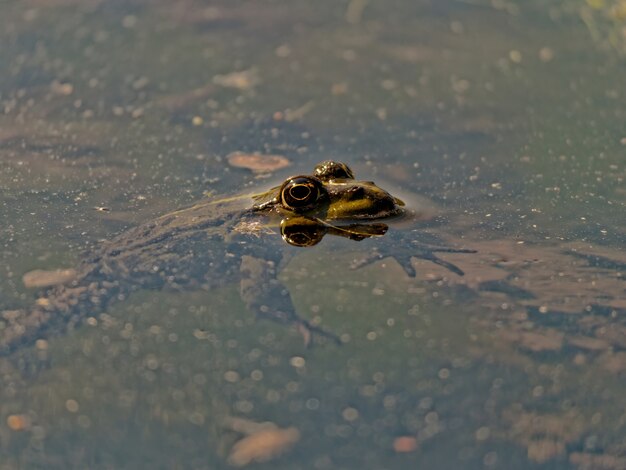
(244, 80)
(42, 278)
(354, 12)
(263, 445)
(184, 99)
(405, 444)
(263, 441)
(256, 162)
(61, 88)
(18, 422)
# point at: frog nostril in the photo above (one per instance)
(356, 192)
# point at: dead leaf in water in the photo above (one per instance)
(18, 422)
(263, 445)
(42, 278)
(256, 162)
(184, 99)
(547, 340)
(244, 80)
(405, 444)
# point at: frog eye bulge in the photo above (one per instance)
(301, 193)
(329, 170)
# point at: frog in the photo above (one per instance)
(225, 241)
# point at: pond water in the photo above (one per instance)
(506, 116)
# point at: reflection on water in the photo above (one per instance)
(305, 231)
(508, 115)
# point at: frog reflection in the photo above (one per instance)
(305, 231)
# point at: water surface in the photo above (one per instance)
(508, 116)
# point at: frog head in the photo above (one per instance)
(329, 201)
(330, 193)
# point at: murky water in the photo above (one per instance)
(508, 116)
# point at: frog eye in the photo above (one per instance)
(301, 193)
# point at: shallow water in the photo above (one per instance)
(508, 116)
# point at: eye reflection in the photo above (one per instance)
(302, 231)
